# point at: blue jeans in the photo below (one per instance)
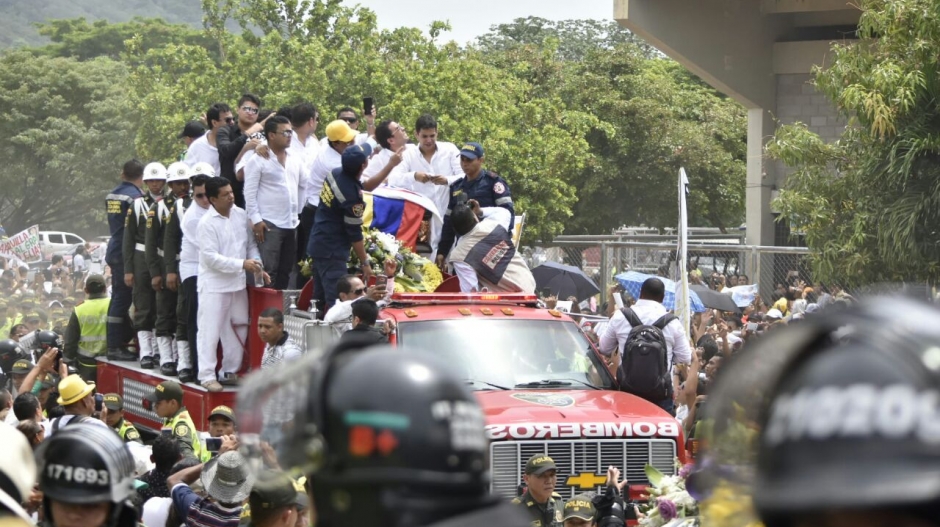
(326, 274)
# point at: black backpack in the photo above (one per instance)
(645, 368)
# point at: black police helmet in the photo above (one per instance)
(848, 404)
(47, 339)
(9, 353)
(386, 427)
(85, 463)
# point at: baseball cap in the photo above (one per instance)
(166, 391)
(192, 129)
(471, 150)
(580, 507)
(223, 411)
(95, 284)
(354, 156)
(21, 366)
(113, 401)
(339, 130)
(773, 313)
(47, 381)
(539, 464)
(272, 490)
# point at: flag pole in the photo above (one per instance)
(683, 303)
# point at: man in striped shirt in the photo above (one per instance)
(278, 347)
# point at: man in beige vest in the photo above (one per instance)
(484, 256)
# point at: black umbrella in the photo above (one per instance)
(564, 281)
(714, 299)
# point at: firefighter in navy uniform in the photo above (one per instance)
(847, 405)
(71, 496)
(115, 418)
(408, 452)
(540, 501)
(172, 248)
(484, 186)
(338, 226)
(117, 205)
(136, 271)
(157, 219)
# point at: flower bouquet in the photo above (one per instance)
(668, 498)
(414, 273)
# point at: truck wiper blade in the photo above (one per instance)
(491, 385)
(556, 382)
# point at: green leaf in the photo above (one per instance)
(653, 475)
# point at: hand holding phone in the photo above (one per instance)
(368, 104)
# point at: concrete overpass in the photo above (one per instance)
(761, 53)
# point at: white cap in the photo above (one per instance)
(178, 171)
(202, 169)
(154, 171)
(774, 313)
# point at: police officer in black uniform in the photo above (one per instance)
(338, 226)
(408, 451)
(540, 502)
(86, 475)
(480, 184)
(849, 418)
(117, 205)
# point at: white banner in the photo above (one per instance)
(23, 246)
(683, 300)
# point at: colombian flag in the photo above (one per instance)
(397, 212)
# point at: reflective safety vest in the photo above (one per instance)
(92, 317)
(128, 432)
(181, 427)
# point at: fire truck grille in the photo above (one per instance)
(582, 464)
(134, 393)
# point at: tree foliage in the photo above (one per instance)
(587, 124)
(869, 204)
(66, 131)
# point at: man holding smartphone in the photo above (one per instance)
(429, 170)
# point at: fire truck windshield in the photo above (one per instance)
(504, 354)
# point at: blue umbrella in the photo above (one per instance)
(632, 281)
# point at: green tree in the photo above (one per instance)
(332, 55)
(869, 203)
(571, 40)
(83, 40)
(67, 128)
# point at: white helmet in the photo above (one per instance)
(178, 171)
(154, 171)
(202, 169)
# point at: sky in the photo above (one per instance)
(472, 18)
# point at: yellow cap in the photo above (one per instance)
(339, 130)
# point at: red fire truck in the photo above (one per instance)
(542, 385)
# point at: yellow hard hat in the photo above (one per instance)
(73, 389)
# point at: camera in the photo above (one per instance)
(213, 444)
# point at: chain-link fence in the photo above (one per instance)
(603, 257)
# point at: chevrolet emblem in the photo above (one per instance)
(586, 480)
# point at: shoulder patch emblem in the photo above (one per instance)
(499, 188)
(181, 430)
(131, 435)
(358, 209)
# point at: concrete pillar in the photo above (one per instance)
(760, 178)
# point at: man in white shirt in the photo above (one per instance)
(273, 186)
(205, 149)
(393, 139)
(649, 308)
(226, 250)
(339, 136)
(189, 268)
(351, 118)
(485, 257)
(429, 170)
(350, 289)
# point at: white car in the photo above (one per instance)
(52, 242)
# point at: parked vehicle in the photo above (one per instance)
(52, 242)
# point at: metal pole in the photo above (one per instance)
(605, 271)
